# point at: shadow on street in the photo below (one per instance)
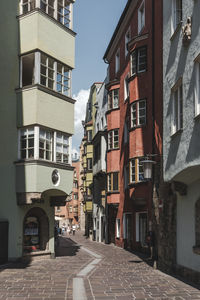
(66, 247)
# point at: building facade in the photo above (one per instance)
(181, 98)
(99, 164)
(37, 111)
(134, 121)
(87, 174)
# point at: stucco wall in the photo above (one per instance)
(182, 150)
(186, 228)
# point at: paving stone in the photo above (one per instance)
(120, 275)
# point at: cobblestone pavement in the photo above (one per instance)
(89, 270)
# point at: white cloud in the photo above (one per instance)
(80, 109)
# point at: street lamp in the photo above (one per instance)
(147, 167)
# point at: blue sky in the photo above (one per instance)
(94, 23)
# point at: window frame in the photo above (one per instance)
(141, 16)
(111, 176)
(44, 5)
(42, 69)
(126, 87)
(135, 109)
(177, 108)
(113, 139)
(118, 228)
(127, 40)
(89, 164)
(117, 61)
(176, 19)
(136, 165)
(197, 89)
(112, 95)
(52, 142)
(136, 61)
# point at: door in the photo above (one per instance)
(4, 242)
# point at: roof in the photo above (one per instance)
(117, 28)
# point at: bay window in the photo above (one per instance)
(57, 9)
(45, 144)
(136, 170)
(39, 68)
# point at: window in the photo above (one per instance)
(113, 99)
(89, 135)
(63, 14)
(89, 163)
(48, 6)
(76, 184)
(62, 148)
(138, 113)
(39, 143)
(62, 79)
(176, 14)
(117, 228)
(126, 176)
(58, 209)
(45, 145)
(177, 112)
(141, 17)
(197, 89)
(141, 228)
(76, 196)
(27, 143)
(136, 170)
(38, 68)
(58, 9)
(27, 5)
(113, 182)
(70, 208)
(117, 61)
(126, 88)
(113, 139)
(97, 152)
(126, 136)
(75, 209)
(139, 61)
(127, 39)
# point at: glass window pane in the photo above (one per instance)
(30, 153)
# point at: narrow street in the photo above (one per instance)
(84, 269)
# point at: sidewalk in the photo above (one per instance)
(84, 269)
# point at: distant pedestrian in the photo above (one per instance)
(68, 230)
(73, 229)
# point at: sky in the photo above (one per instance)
(94, 22)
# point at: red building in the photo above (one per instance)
(134, 121)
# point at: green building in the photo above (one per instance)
(37, 121)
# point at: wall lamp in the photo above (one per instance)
(147, 166)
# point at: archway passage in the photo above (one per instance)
(36, 230)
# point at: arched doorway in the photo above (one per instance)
(35, 230)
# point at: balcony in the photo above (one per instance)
(37, 180)
(38, 31)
